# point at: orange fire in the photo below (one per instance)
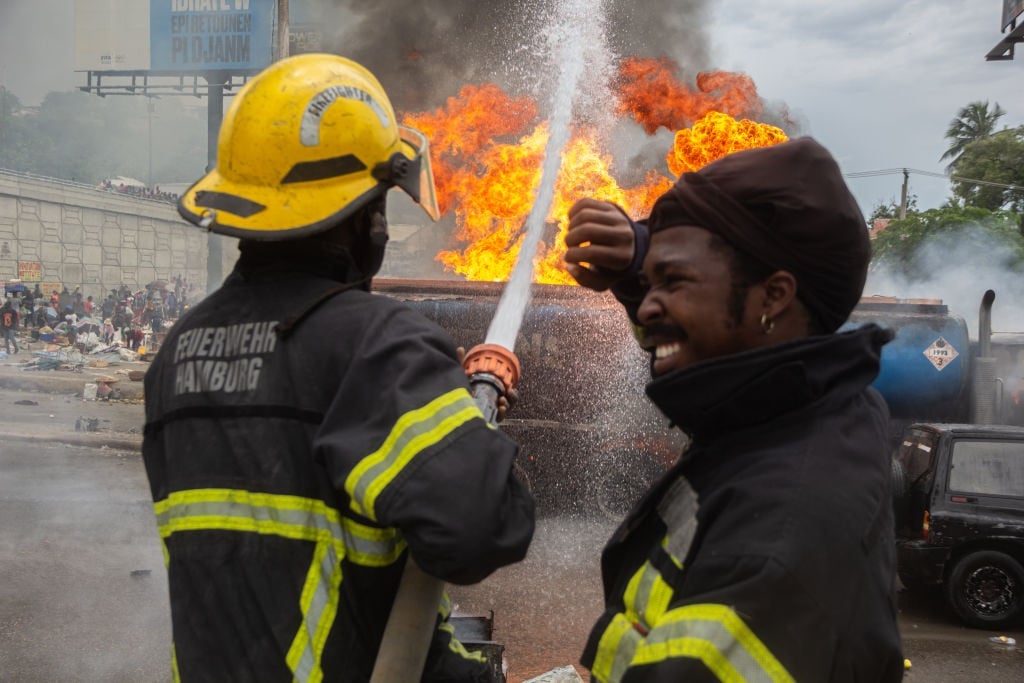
(716, 135)
(487, 149)
(651, 92)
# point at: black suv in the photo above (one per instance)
(959, 504)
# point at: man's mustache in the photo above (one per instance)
(662, 331)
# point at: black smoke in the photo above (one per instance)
(424, 52)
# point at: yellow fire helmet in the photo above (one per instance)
(304, 145)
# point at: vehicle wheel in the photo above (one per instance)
(986, 589)
(622, 475)
(899, 479)
(615, 491)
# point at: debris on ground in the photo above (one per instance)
(563, 674)
(87, 424)
(73, 359)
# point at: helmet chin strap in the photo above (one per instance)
(378, 237)
(365, 247)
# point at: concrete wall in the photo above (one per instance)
(97, 240)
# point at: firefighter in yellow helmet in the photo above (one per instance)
(303, 436)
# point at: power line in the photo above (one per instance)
(932, 174)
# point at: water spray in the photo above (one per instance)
(492, 367)
(499, 344)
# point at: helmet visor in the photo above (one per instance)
(419, 182)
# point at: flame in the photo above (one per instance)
(716, 135)
(466, 125)
(487, 149)
(651, 92)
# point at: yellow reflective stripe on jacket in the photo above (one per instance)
(645, 592)
(413, 432)
(319, 605)
(615, 650)
(646, 598)
(718, 637)
(175, 674)
(444, 609)
(292, 517)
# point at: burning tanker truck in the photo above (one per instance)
(592, 441)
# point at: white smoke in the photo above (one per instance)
(958, 267)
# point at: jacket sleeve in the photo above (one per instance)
(750, 616)
(407, 446)
(740, 619)
(630, 291)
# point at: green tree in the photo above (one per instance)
(892, 208)
(77, 136)
(972, 123)
(900, 244)
(18, 139)
(997, 159)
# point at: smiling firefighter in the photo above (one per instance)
(766, 552)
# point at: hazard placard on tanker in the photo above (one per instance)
(941, 353)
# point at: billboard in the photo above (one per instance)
(1011, 10)
(174, 36)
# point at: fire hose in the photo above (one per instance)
(401, 660)
(493, 373)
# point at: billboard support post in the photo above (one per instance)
(158, 48)
(281, 50)
(214, 117)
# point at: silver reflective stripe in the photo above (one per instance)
(678, 509)
(298, 518)
(288, 516)
(412, 433)
(615, 650)
(645, 583)
(319, 607)
(718, 637)
(627, 646)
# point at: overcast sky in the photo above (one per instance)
(876, 81)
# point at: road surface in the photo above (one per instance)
(83, 590)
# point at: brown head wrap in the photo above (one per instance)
(787, 206)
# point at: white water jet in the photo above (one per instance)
(578, 23)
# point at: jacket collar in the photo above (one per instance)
(263, 260)
(753, 387)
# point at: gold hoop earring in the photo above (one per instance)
(767, 324)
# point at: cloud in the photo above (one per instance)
(877, 82)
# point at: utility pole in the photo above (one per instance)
(149, 135)
(903, 200)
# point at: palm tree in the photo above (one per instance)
(972, 123)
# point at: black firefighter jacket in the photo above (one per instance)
(292, 475)
(766, 553)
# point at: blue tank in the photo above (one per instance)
(925, 373)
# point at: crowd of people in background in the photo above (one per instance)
(124, 316)
(154, 193)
